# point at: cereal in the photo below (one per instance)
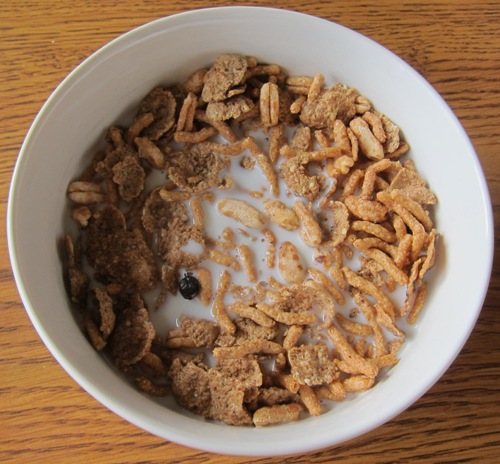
(305, 272)
(281, 214)
(290, 264)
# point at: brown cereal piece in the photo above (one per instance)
(296, 318)
(418, 304)
(310, 231)
(161, 103)
(150, 152)
(409, 183)
(191, 387)
(368, 143)
(341, 137)
(337, 102)
(349, 355)
(352, 327)
(281, 214)
(294, 173)
(310, 400)
(81, 214)
(302, 138)
(227, 397)
(247, 330)
(430, 254)
(132, 337)
(195, 137)
(277, 414)
(138, 125)
(366, 210)
(95, 336)
(232, 108)
(129, 175)
(227, 72)
(392, 134)
(252, 313)
(311, 364)
(368, 287)
(78, 280)
(193, 333)
(187, 113)
(335, 222)
(275, 395)
(358, 383)
(377, 230)
(292, 336)
(323, 301)
(148, 386)
(218, 309)
(377, 127)
(243, 212)
(194, 83)
(153, 365)
(414, 207)
(195, 170)
(117, 254)
(290, 264)
(85, 193)
(245, 371)
(269, 102)
(106, 313)
(205, 279)
(248, 347)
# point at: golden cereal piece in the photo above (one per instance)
(242, 212)
(290, 264)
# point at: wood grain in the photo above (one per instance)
(46, 417)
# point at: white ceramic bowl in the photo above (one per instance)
(112, 81)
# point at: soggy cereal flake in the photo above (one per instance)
(231, 108)
(117, 254)
(409, 183)
(227, 397)
(193, 333)
(132, 337)
(311, 364)
(295, 174)
(247, 330)
(337, 102)
(106, 312)
(190, 386)
(161, 103)
(129, 175)
(195, 170)
(227, 72)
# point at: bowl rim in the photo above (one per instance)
(117, 407)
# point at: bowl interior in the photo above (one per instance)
(107, 86)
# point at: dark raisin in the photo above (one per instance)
(189, 286)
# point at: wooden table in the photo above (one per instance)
(46, 417)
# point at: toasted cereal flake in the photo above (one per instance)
(227, 72)
(231, 108)
(277, 414)
(129, 175)
(227, 396)
(118, 254)
(311, 364)
(106, 313)
(161, 103)
(193, 333)
(190, 386)
(281, 214)
(195, 170)
(337, 102)
(243, 212)
(132, 337)
(409, 183)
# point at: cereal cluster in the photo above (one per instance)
(266, 352)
